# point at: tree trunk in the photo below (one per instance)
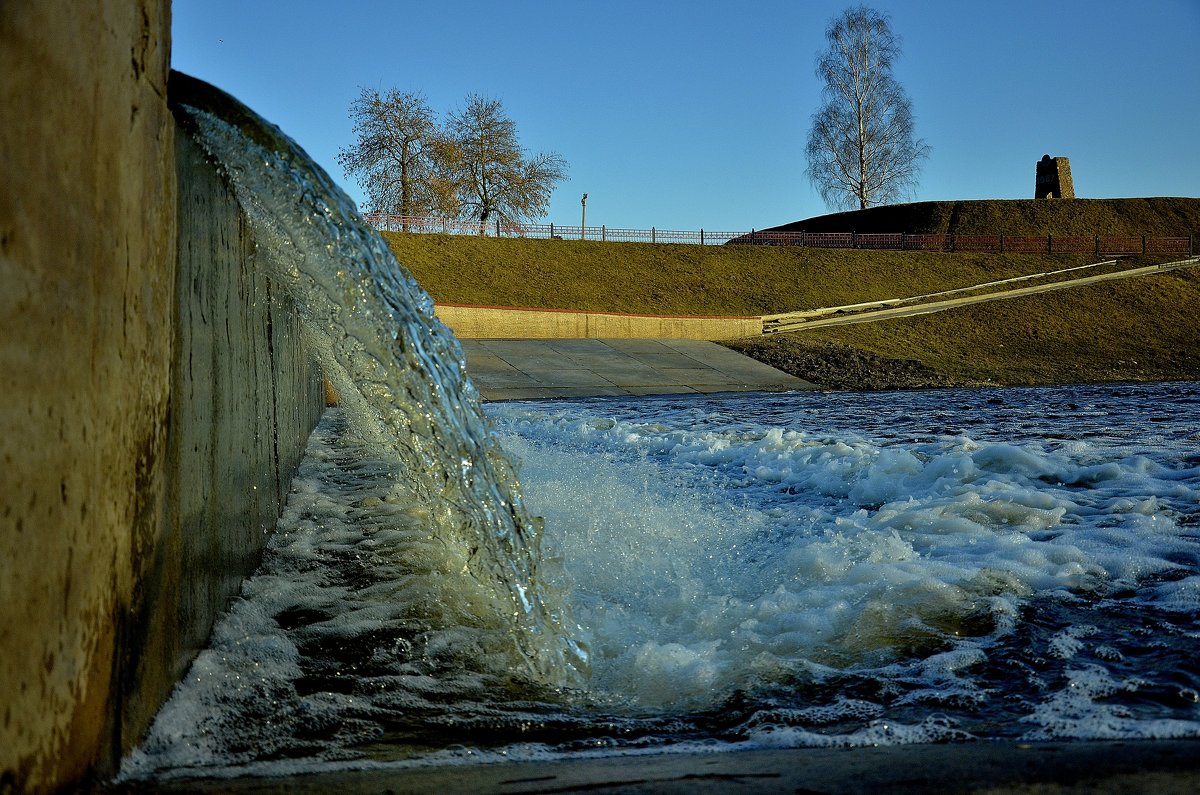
(862, 166)
(860, 113)
(406, 201)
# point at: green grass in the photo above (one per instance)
(651, 278)
(1144, 329)
(1141, 329)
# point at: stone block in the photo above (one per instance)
(1054, 179)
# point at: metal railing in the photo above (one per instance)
(424, 225)
(1098, 245)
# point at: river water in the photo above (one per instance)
(745, 571)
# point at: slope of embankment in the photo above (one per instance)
(1140, 329)
(1154, 216)
(678, 279)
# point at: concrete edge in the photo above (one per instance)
(1163, 766)
(477, 322)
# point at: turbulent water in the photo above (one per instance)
(749, 571)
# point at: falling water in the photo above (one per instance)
(400, 375)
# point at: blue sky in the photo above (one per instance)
(688, 115)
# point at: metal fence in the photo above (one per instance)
(401, 223)
(1099, 245)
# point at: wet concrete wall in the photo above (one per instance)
(153, 403)
(245, 393)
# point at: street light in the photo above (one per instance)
(583, 223)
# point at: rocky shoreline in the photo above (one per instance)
(843, 367)
(838, 366)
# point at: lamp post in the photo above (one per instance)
(583, 222)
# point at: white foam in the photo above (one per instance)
(934, 729)
(1079, 711)
(1066, 644)
(703, 558)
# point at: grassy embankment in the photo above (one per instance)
(1142, 329)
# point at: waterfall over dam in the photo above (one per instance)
(398, 371)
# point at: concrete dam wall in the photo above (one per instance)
(157, 391)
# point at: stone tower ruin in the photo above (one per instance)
(1054, 179)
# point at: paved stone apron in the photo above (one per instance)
(533, 369)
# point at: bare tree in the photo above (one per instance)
(861, 148)
(393, 156)
(490, 173)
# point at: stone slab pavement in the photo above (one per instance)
(549, 368)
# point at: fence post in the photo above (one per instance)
(551, 230)
(1191, 245)
(603, 233)
(1097, 245)
(653, 235)
(854, 240)
(702, 237)
(497, 227)
(1143, 245)
(1049, 244)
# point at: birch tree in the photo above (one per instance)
(861, 149)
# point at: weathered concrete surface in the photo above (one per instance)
(537, 369)
(245, 393)
(87, 231)
(152, 412)
(481, 322)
